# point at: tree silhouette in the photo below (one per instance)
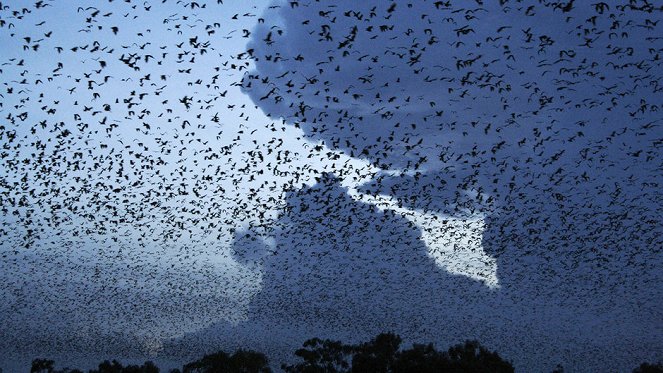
(321, 356)
(472, 357)
(421, 358)
(115, 367)
(242, 361)
(48, 366)
(383, 355)
(649, 368)
(377, 355)
(380, 355)
(42, 366)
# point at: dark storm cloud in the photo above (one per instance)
(472, 98)
(342, 269)
(545, 116)
(375, 80)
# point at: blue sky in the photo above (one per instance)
(260, 173)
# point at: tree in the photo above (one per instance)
(649, 368)
(472, 357)
(242, 361)
(377, 355)
(147, 367)
(42, 366)
(249, 361)
(48, 366)
(383, 355)
(109, 367)
(422, 359)
(322, 356)
(116, 367)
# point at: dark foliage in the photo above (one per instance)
(116, 367)
(321, 356)
(377, 355)
(48, 366)
(42, 366)
(649, 368)
(242, 361)
(421, 358)
(383, 354)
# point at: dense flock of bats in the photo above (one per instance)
(132, 135)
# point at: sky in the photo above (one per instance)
(179, 177)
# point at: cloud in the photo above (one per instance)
(540, 117)
(403, 86)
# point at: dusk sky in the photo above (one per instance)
(181, 177)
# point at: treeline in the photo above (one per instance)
(382, 354)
